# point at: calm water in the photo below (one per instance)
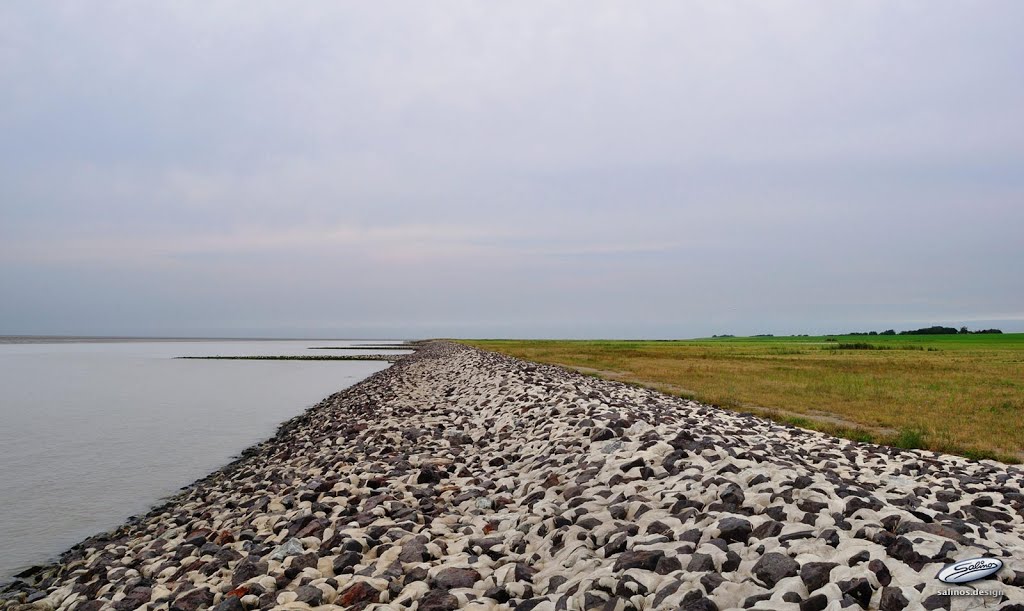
(91, 433)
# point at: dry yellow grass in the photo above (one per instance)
(957, 394)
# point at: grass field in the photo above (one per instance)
(962, 394)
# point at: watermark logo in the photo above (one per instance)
(972, 569)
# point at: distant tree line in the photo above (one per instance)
(935, 330)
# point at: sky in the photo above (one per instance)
(526, 169)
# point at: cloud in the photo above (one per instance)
(514, 167)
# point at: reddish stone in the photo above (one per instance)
(361, 594)
(552, 480)
(198, 532)
(225, 537)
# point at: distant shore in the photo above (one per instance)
(392, 358)
(53, 339)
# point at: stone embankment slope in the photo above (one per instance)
(461, 478)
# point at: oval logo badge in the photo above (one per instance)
(972, 569)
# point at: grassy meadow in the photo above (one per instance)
(962, 394)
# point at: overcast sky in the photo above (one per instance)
(479, 169)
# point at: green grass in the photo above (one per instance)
(909, 439)
(867, 346)
(962, 394)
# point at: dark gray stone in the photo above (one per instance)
(246, 570)
(345, 561)
(414, 551)
(668, 564)
(936, 601)
(199, 598)
(710, 581)
(735, 530)
(699, 603)
(133, 600)
(768, 529)
(311, 595)
(524, 572)
(814, 603)
(892, 599)
(773, 567)
(665, 592)
(859, 557)
(231, 603)
(700, 563)
(646, 560)
(881, 572)
(456, 578)
(816, 574)
(858, 589)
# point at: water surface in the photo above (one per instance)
(94, 432)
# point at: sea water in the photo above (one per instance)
(92, 432)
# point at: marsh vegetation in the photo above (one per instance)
(956, 393)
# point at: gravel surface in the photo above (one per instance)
(461, 478)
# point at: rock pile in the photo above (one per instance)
(465, 479)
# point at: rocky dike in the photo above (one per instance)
(460, 478)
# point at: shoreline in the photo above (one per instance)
(459, 477)
(116, 339)
(391, 358)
